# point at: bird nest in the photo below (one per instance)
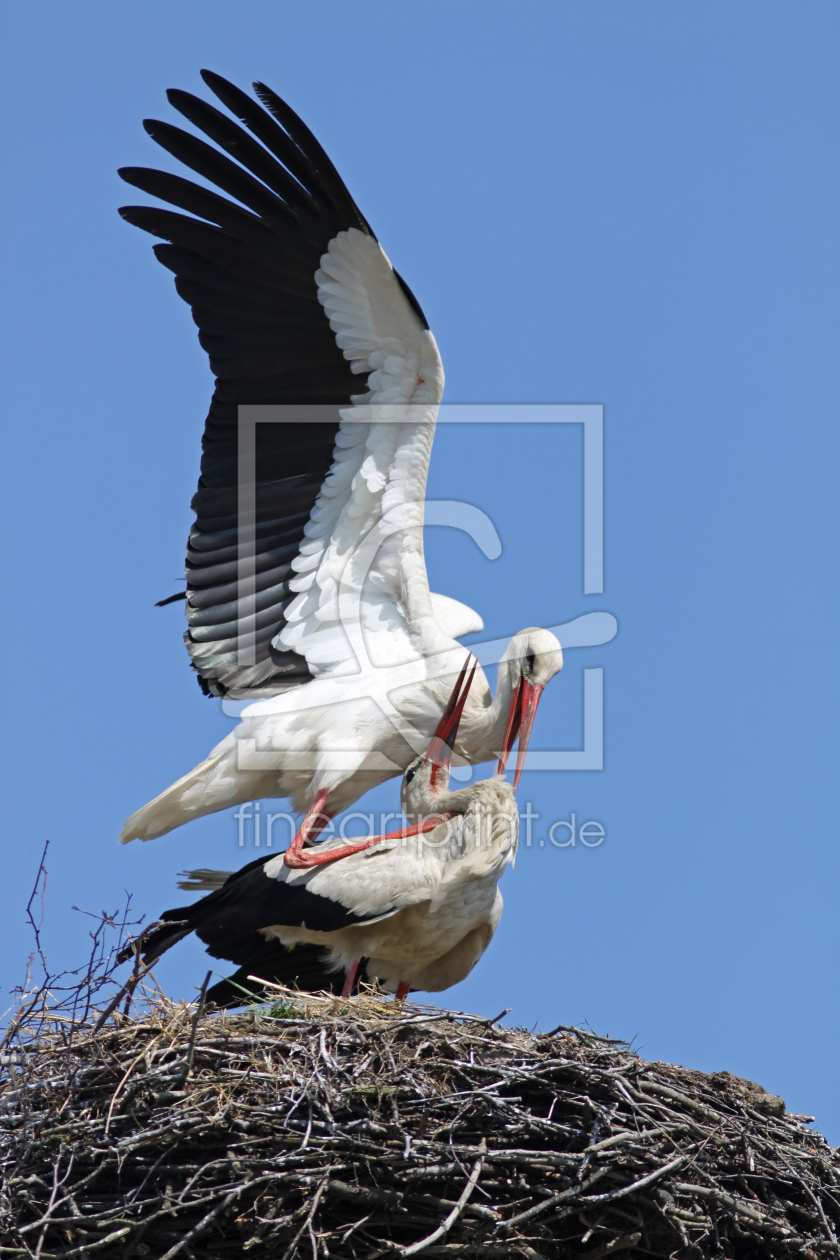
(315, 1127)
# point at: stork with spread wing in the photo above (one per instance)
(307, 592)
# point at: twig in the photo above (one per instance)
(316, 1199)
(199, 1011)
(616, 1244)
(203, 1223)
(444, 1228)
(127, 989)
(574, 1192)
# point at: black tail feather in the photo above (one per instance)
(172, 927)
(228, 922)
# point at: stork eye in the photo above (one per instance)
(410, 773)
(529, 660)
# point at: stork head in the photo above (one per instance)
(430, 773)
(532, 659)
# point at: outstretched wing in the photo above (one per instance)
(295, 301)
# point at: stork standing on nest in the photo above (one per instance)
(416, 909)
(315, 604)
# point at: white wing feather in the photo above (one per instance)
(362, 592)
(454, 618)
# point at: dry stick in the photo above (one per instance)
(55, 1206)
(118, 1090)
(637, 1185)
(126, 991)
(444, 1228)
(20, 1018)
(563, 1197)
(699, 1108)
(87, 1248)
(51, 1206)
(616, 1244)
(199, 1011)
(203, 1223)
(167, 1209)
(316, 1199)
(36, 927)
(735, 1205)
(829, 1231)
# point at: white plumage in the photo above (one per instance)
(419, 906)
(343, 736)
(439, 889)
(362, 595)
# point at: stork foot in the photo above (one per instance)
(317, 819)
(349, 977)
(402, 991)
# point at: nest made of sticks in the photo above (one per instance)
(316, 1127)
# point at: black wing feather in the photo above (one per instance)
(299, 160)
(177, 191)
(244, 258)
(240, 146)
(220, 170)
(317, 158)
(228, 920)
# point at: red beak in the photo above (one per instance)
(443, 740)
(523, 710)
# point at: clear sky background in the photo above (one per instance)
(634, 204)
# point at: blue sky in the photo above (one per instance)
(628, 204)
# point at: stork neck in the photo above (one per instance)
(483, 729)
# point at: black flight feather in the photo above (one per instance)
(244, 258)
(240, 146)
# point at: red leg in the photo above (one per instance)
(349, 977)
(297, 857)
(316, 819)
(402, 991)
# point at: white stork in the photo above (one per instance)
(329, 627)
(419, 906)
